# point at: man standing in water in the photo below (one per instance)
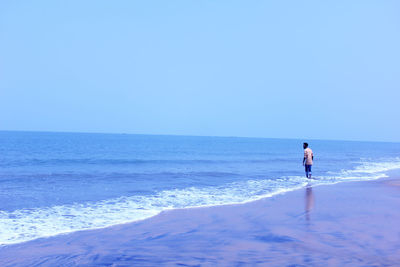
(308, 159)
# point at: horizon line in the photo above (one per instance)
(190, 135)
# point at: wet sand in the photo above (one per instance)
(347, 224)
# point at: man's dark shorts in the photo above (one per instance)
(308, 169)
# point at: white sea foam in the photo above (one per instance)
(372, 167)
(28, 224)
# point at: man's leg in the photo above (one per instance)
(309, 171)
(306, 169)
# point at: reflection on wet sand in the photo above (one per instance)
(309, 200)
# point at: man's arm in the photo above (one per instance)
(304, 160)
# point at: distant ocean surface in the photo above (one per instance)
(54, 183)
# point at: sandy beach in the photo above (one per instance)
(346, 224)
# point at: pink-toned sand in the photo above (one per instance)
(347, 224)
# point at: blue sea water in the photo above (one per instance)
(54, 183)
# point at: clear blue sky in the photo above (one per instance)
(296, 69)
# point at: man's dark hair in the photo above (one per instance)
(305, 144)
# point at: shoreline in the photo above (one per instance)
(311, 226)
(267, 196)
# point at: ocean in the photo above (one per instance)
(57, 183)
